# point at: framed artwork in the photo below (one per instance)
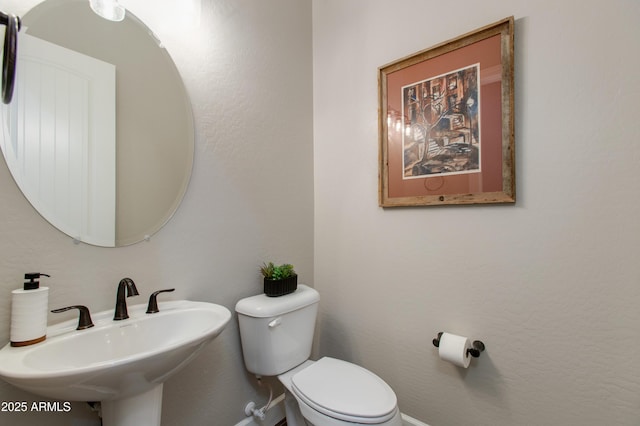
(446, 130)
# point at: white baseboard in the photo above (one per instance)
(410, 421)
(276, 414)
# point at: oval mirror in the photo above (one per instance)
(99, 135)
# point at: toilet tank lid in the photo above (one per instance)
(263, 306)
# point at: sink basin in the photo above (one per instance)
(114, 360)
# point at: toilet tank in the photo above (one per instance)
(277, 332)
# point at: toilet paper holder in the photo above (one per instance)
(475, 351)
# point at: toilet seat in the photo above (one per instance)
(345, 391)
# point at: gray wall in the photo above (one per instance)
(550, 284)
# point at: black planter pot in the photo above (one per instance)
(275, 288)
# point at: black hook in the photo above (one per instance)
(4, 19)
(10, 54)
(475, 351)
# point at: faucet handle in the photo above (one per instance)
(152, 308)
(84, 321)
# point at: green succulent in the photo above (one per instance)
(277, 272)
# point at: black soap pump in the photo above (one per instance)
(29, 309)
(33, 277)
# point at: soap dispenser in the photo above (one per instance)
(29, 309)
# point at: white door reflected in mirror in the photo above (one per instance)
(63, 119)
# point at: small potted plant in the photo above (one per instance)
(279, 279)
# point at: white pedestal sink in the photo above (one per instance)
(123, 364)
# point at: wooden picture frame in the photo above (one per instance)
(446, 124)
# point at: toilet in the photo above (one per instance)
(277, 335)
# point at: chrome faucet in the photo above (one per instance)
(126, 287)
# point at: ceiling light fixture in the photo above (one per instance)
(108, 9)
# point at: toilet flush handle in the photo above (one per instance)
(276, 322)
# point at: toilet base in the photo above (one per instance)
(292, 410)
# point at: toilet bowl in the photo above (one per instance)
(276, 335)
